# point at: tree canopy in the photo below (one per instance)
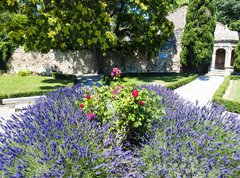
(228, 13)
(133, 25)
(198, 36)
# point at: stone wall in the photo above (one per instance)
(71, 62)
(84, 62)
(168, 59)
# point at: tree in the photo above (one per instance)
(6, 45)
(237, 60)
(228, 13)
(133, 25)
(198, 36)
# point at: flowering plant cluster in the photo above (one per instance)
(116, 76)
(128, 110)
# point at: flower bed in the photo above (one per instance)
(57, 138)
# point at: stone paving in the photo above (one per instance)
(202, 89)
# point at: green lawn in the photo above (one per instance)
(158, 79)
(235, 91)
(14, 86)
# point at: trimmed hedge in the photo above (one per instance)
(61, 76)
(232, 106)
(180, 83)
(107, 79)
(23, 94)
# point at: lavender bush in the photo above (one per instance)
(192, 141)
(51, 139)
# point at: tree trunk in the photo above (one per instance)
(99, 59)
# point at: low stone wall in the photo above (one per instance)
(71, 62)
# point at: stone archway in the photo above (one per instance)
(220, 59)
(232, 57)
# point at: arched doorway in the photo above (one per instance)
(220, 59)
(232, 57)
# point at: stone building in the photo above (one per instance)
(223, 51)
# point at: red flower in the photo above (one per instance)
(141, 103)
(81, 105)
(88, 97)
(90, 116)
(135, 93)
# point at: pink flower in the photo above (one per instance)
(81, 105)
(141, 103)
(88, 97)
(115, 69)
(112, 74)
(135, 94)
(118, 72)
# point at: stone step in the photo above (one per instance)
(222, 73)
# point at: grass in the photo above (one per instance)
(14, 86)
(161, 79)
(235, 91)
(182, 2)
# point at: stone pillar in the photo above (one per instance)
(213, 58)
(228, 57)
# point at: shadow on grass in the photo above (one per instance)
(148, 78)
(50, 87)
(57, 81)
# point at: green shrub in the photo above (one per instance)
(222, 89)
(133, 109)
(236, 64)
(180, 83)
(24, 73)
(61, 76)
(232, 106)
(235, 77)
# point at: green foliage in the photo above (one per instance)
(132, 25)
(235, 77)
(229, 13)
(232, 106)
(128, 110)
(24, 73)
(61, 76)
(198, 36)
(222, 89)
(6, 45)
(180, 83)
(236, 64)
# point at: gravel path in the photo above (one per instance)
(202, 89)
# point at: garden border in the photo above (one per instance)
(232, 106)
